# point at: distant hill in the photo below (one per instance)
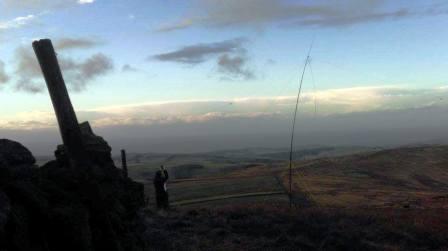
(401, 176)
(244, 155)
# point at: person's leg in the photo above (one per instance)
(166, 201)
(159, 201)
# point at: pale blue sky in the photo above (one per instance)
(371, 43)
(409, 51)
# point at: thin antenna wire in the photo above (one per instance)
(294, 123)
(314, 89)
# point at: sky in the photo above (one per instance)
(200, 75)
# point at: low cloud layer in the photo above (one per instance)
(262, 13)
(77, 73)
(375, 116)
(335, 103)
(230, 55)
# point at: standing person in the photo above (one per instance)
(160, 180)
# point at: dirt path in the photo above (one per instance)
(225, 197)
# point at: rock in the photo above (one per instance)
(14, 154)
(61, 156)
(57, 207)
(74, 220)
(98, 150)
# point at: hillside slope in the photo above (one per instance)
(396, 177)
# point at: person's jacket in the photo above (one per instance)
(159, 181)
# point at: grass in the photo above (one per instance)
(275, 228)
(203, 189)
(386, 200)
(389, 178)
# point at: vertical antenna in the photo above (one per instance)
(307, 60)
(314, 88)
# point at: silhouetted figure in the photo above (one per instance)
(160, 180)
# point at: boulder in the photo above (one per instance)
(14, 154)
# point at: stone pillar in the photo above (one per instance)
(65, 114)
(124, 163)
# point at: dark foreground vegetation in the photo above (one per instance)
(273, 228)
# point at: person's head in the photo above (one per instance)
(162, 167)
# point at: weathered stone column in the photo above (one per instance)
(124, 163)
(68, 123)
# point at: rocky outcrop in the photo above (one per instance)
(98, 150)
(56, 207)
(14, 154)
